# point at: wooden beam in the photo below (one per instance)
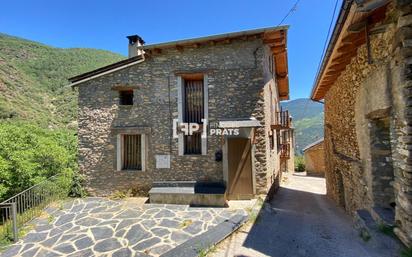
(274, 41)
(179, 48)
(334, 72)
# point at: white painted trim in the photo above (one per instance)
(181, 145)
(105, 73)
(119, 152)
(143, 151)
(180, 139)
(180, 98)
(206, 112)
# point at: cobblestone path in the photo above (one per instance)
(103, 227)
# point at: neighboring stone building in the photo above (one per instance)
(314, 155)
(365, 81)
(132, 115)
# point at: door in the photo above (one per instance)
(240, 180)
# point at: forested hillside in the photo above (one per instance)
(307, 120)
(33, 80)
(38, 111)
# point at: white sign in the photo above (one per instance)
(162, 161)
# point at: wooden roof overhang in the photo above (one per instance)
(277, 41)
(352, 30)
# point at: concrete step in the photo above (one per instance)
(382, 215)
(188, 193)
(371, 232)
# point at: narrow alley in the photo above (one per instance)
(301, 221)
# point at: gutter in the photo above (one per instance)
(343, 14)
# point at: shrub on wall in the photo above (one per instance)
(299, 164)
(30, 154)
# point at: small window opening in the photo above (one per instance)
(126, 97)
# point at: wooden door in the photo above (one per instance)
(240, 184)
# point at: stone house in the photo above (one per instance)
(314, 155)
(365, 82)
(178, 114)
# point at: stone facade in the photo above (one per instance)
(240, 85)
(315, 160)
(367, 125)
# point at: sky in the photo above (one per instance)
(104, 24)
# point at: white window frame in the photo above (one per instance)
(180, 104)
(120, 145)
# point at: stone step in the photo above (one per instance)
(173, 183)
(364, 223)
(382, 215)
(369, 231)
(188, 193)
(199, 245)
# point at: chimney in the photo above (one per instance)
(134, 42)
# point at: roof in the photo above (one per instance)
(110, 67)
(313, 144)
(274, 37)
(230, 35)
(348, 35)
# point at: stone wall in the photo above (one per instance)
(315, 160)
(236, 79)
(362, 94)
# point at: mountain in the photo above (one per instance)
(33, 80)
(307, 120)
(33, 86)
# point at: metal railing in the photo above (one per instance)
(27, 205)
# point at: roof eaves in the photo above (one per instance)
(214, 37)
(313, 144)
(343, 14)
(106, 69)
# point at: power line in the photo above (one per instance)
(327, 37)
(294, 8)
(324, 48)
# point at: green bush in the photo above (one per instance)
(30, 154)
(299, 164)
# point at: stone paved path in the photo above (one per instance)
(300, 221)
(103, 227)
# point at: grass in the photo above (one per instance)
(118, 195)
(203, 252)
(387, 230)
(364, 234)
(186, 223)
(406, 252)
(253, 213)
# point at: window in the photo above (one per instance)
(193, 144)
(193, 112)
(126, 97)
(131, 152)
(271, 139)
